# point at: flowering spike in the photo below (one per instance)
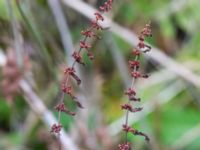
(134, 65)
(70, 71)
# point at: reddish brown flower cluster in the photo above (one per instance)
(70, 72)
(127, 128)
(107, 6)
(61, 107)
(125, 146)
(130, 108)
(131, 93)
(56, 128)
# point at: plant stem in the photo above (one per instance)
(129, 102)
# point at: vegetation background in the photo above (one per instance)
(42, 45)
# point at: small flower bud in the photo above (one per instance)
(147, 31)
(107, 6)
(127, 128)
(130, 92)
(61, 107)
(95, 25)
(71, 71)
(68, 90)
(78, 58)
(84, 45)
(141, 45)
(134, 64)
(87, 33)
(56, 128)
(99, 16)
(135, 74)
(124, 146)
(127, 107)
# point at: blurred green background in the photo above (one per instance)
(43, 48)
